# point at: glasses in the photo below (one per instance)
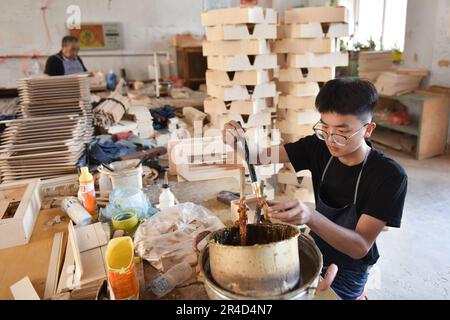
(338, 139)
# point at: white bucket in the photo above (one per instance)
(125, 174)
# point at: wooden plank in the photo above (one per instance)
(301, 46)
(231, 48)
(73, 239)
(306, 75)
(242, 62)
(306, 89)
(241, 32)
(232, 93)
(24, 290)
(293, 102)
(217, 106)
(317, 60)
(316, 14)
(244, 78)
(54, 267)
(32, 259)
(238, 15)
(313, 30)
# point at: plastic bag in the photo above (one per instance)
(127, 199)
(166, 238)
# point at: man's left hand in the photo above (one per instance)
(291, 211)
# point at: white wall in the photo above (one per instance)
(148, 25)
(427, 43)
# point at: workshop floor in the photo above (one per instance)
(415, 259)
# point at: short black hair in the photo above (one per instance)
(348, 96)
(68, 39)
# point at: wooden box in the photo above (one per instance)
(20, 203)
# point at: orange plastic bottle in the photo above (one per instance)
(86, 192)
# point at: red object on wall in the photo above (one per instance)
(249, 2)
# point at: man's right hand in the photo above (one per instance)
(232, 132)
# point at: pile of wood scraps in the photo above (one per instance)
(111, 110)
(399, 81)
(54, 125)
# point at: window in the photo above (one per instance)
(383, 21)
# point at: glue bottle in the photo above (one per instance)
(164, 283)
(86, 192)
(166, 198)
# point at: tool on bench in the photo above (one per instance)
(257, 190)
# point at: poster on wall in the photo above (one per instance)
(99, 36)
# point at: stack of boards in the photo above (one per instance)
(54, 124)
(240, 81)
(308, 57)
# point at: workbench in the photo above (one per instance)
(32, 260)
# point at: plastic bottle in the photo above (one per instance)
(86, 192)
(166, 198)
(76, 211)
(164, 283)
(111, 80)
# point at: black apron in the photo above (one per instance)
(346, 217)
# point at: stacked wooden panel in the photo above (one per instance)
(240, 65)
(48, 138)
(308, 57)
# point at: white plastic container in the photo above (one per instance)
(165, 283)
(125, 174)
(76, 211)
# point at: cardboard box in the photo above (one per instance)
(304, 45)
(234, 47)
(313, 30)
(293, 102)
(239, 15)
(317, 60)
(305, 89)
(247, 107)
(244, 78)
(316, 14)
(306, 74)
(232, 93)
(241, 32)
(242, 62)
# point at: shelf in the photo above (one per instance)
(411, 129)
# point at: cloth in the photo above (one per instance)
(161, 116)
(55, 65)
(382, 188)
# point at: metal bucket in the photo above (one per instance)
(310, 260)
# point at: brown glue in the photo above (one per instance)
(86, 192)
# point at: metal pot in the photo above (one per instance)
(305, 289)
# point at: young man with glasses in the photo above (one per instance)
(358, 190)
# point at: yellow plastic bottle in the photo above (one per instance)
(86, 192)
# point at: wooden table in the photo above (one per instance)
(32, 260)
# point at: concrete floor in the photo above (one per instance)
(415, 259)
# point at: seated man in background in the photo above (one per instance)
(67, 60)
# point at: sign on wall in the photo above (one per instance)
(100, 36)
